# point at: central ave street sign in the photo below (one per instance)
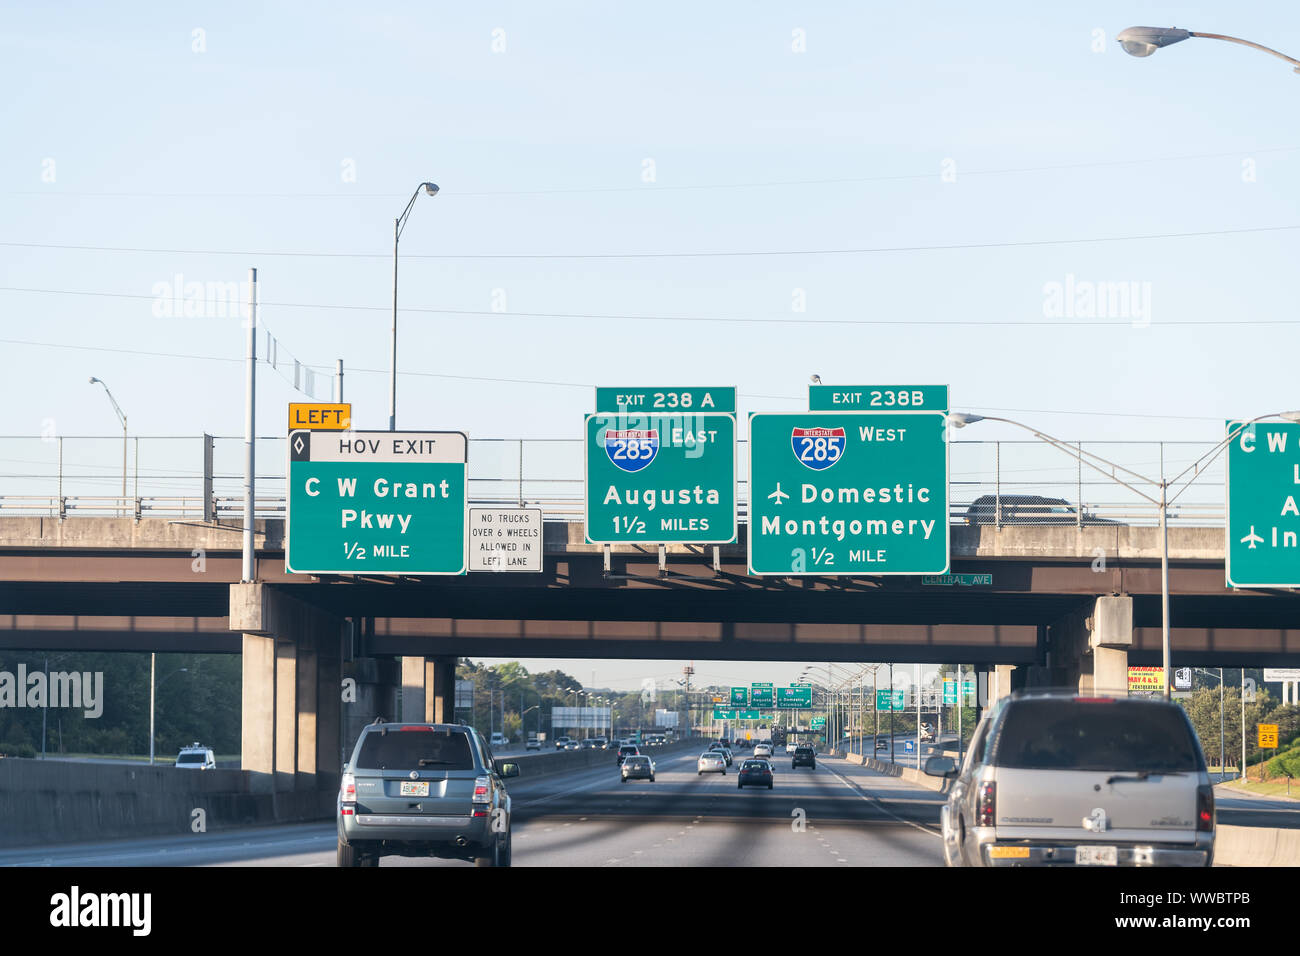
(661, 479)
(1263, 527)
(376, 503)
(848, 493)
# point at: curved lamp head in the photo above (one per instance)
(1143, 41)
(962, 419)
(93, 380)
(1289, 416)
(430, 188)
(815, 379)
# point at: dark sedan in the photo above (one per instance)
(755, 773)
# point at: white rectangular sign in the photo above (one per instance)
(412, 447)
(582, 718)
(505, 539)
(1274, 674)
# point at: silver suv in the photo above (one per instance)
(423, 790)
(1054, 778)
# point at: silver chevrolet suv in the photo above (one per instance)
(423, 790)
(1055, 778)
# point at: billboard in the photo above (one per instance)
(579, 718)
(666, 718)
(1146, 680)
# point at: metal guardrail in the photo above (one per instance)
(200, 478)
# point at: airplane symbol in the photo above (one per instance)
(1252, 538)
(780, 495)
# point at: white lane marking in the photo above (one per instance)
(880, 803)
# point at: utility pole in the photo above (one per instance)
(250, 426)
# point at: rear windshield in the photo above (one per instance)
(1113, 735)
(192, 758)
(413, 749)
(754, 765)
(637, 761)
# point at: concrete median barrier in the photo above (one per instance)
(68, 801)
(1256, 846)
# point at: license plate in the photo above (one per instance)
(1096, 856)
(415, 788)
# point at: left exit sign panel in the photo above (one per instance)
(376, 503)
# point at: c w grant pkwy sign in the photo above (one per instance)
(376, 503)
(848, 493)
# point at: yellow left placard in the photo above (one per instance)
(335, 417)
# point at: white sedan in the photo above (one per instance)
(762, 750)
(711, 762)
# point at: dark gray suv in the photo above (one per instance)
(423, 790)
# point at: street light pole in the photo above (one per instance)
(1095, 462)
(398, 225)
(121, 415)
(1143, 41)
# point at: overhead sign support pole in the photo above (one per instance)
(250, 426)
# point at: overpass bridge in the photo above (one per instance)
(1073, 600)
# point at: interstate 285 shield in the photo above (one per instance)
(631, 449)
(818, 448)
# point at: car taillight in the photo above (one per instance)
(481, 790)
(348, 791)
(986, 804)
(1205, 808)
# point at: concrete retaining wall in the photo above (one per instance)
(69, 802)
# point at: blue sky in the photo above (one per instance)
(129, 129)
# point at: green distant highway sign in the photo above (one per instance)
(376, 503)
(722, 713)
(848, 493)
(884, 702)
(794, 698)
(878, 398)
(668, 401)
(761, 695)
(660, 479)
(1263, 490)
(740, 696)
(818, 723)
(950, 691)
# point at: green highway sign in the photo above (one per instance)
(661, 479)
(878, 398)
(818, 723)
(1263, 487)
(761, 695)
(740, 696)
(666, 400)
(376, 503)
(794, 698)
(723, 713)
(950, 690)
(848, 493)
(884, 702)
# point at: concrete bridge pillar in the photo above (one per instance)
(429, 689)
(290, 707)
(1088, 648)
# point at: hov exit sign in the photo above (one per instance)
(848, 493)
(376, 503)
(1263, 490)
